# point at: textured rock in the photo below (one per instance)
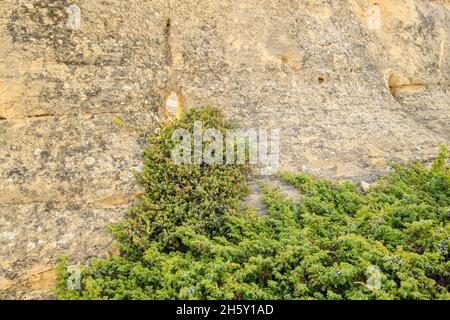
(77, 95)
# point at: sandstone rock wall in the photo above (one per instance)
(350, 94)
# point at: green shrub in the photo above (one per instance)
(189, 238)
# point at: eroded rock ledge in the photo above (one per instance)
(348, 97)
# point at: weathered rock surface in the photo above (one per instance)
(349, 93)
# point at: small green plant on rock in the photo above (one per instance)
(189, 238)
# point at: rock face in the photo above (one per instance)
(351, 84)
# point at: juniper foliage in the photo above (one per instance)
(190, 238)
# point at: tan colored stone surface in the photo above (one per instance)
(74, 104)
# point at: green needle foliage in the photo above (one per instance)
(189, 238)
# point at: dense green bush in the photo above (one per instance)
(188, 238)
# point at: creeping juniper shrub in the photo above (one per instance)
(188, 237)
(196, 197)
